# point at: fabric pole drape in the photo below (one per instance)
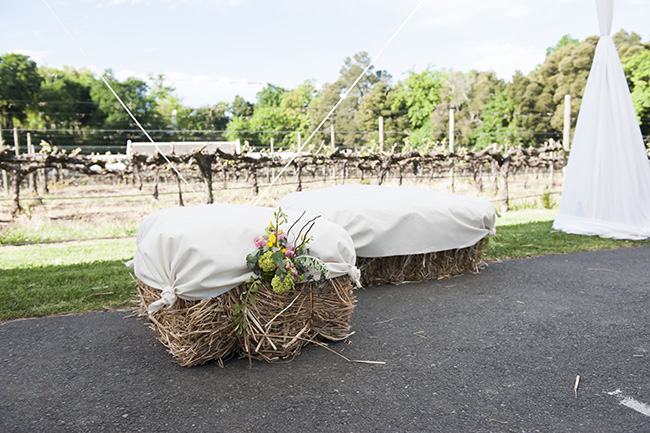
(607, 184)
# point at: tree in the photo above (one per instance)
(270, 96)
(637, 70)
(628, 44)
(420, 94)
(64, 100)
(165, 100)
(563, 42)
(379, 103)
(564, 72)
(344, 118)
(278, 111)
(498, 123)
(355, 67)
(531, 123)
(454, 94)
(241, 107)
(19, 84)
(134, 94)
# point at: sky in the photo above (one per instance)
(212, 50)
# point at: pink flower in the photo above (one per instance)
(259, 241)
(288, 253)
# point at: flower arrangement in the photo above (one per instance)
(280, 262)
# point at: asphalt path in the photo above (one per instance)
(497, 351)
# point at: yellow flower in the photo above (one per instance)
(271, 240)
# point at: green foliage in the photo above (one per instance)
(165, 102)
(241, 107)
(63, 103)
(270, 96)
(312, 264)
(380, 103)
(498, 123)
(546, 200)
(419, 94)
(246, 298)
(345, 117)
(277, 110)
(206, 118)
(134, 94)
(563, 72)
(563, 42)
(352, 69)
(637, 68)
(19, 85)
(629, 44)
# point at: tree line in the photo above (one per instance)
(68, 107)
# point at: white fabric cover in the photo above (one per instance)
(607, 184)
(390, 221)
(199, 252)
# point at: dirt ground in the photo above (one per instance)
(112, 200)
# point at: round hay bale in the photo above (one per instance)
(419, 267)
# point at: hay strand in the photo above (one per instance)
(419, 267)
(277, 325)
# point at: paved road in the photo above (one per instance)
(494, 352)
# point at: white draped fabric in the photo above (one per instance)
(607, 184)
(199, 252)
(386, 221)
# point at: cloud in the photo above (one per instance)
(37, 56)
(197, 89)
(466, 12)
(505, 59)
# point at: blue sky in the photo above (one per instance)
(212, 50)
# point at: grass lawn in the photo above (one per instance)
(78, 277)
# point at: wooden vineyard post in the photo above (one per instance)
(299, 165)
(503, 180)
(180, 190)
(5, 179)
(156, 181)
(451, 149)
(256, 187)
(566, 135)
(205, 168)
(33, 179)
(18, 178)
(381, 133)
(16, 142)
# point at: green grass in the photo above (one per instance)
(79, 277)
(61, 289)
(538, 238)
(67, 230)
(46, 279)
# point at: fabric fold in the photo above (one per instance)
(167, 299)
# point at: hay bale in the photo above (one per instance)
(277, 325)
(419, 267)
(194, 332)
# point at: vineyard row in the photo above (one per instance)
(32, 170)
